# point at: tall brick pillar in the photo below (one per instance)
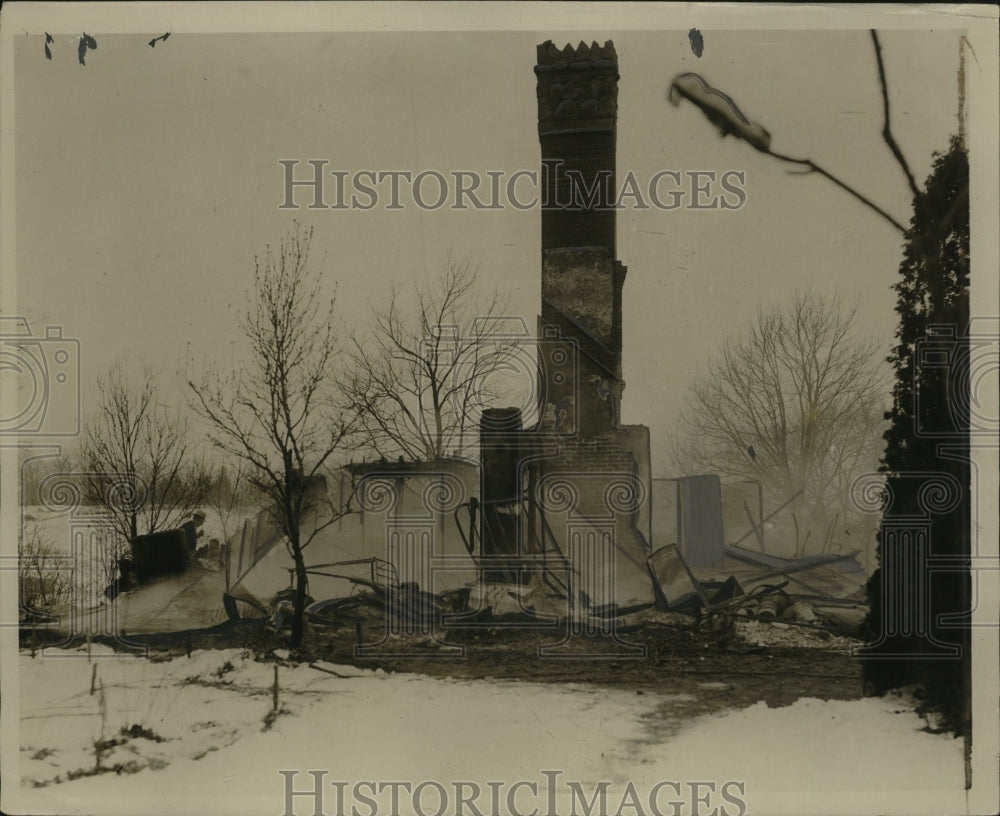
(591, 474)
(581, 277)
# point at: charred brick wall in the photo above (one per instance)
(597, 453)
(597, 487)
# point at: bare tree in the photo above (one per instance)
(139, 460)
(420, 379)
(278, 414)
(230, 493)
(43, 576)
(794, 403)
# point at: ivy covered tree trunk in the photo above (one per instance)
(916, 633)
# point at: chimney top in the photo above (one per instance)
(594, 55)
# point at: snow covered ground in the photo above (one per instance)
(156, 609)
(198, 735)
(195, 735)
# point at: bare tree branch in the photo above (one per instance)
(419, 380)
(886, 131)
(815, 168)
(722, 111)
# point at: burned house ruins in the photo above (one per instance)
(556, 516)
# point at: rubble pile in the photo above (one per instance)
(786, 635)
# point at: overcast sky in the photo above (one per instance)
(147, 180)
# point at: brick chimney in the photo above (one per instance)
(581, 277)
